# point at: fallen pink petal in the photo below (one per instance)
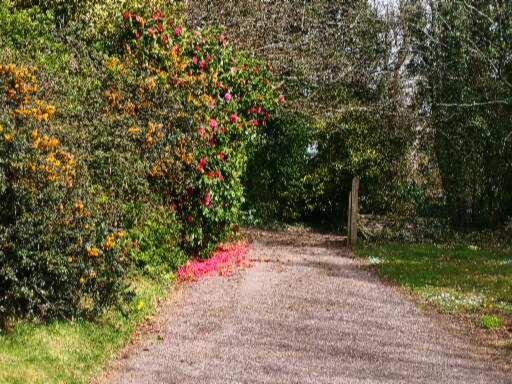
(226, 261)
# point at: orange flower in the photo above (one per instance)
(93, 252)
(110, 243)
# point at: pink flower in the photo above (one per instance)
(195, 60)
(256, 123)
(178, 31)
(208, 199)
(234, 118)
(282, 100)
(213, 124)
(152, 32)
(140, 20)
(222, 39)
(202, 132)
(228, 97)
(203, 65)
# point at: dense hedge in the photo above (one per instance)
(122, 146)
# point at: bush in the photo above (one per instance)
(57, 258)
(190, 106)
(138, 165)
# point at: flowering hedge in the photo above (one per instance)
(56, 257)
(191, 106)
(138, 148)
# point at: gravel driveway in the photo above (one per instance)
(305, 313)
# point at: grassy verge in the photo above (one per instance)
(457, 280)
(74, 352)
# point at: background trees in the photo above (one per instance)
(413, 96)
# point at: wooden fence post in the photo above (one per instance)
(353, 213)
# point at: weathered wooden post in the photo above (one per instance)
(353, 213)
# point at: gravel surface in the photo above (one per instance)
(306, 312)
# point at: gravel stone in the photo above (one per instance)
(306, 312)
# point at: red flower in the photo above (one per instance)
(256, 123)
(190, 219)
(222, 39)
(158, 15)
(222, 156)
(178, 31)
(160, 28)
(202, 164)
(127, 16)
(211, 175)
(203, 65)
(260, 110)
(219, 176)
(252, 110)
(198, 48)
(195, 60)
(234, 118)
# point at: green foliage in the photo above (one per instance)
(156, 244)
(491, 322)
(463, 59)
(276, 180)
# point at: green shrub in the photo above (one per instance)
(156, 243)
(57, 256)
(491, 322)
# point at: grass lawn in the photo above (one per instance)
(463, 280)
(74, 352)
